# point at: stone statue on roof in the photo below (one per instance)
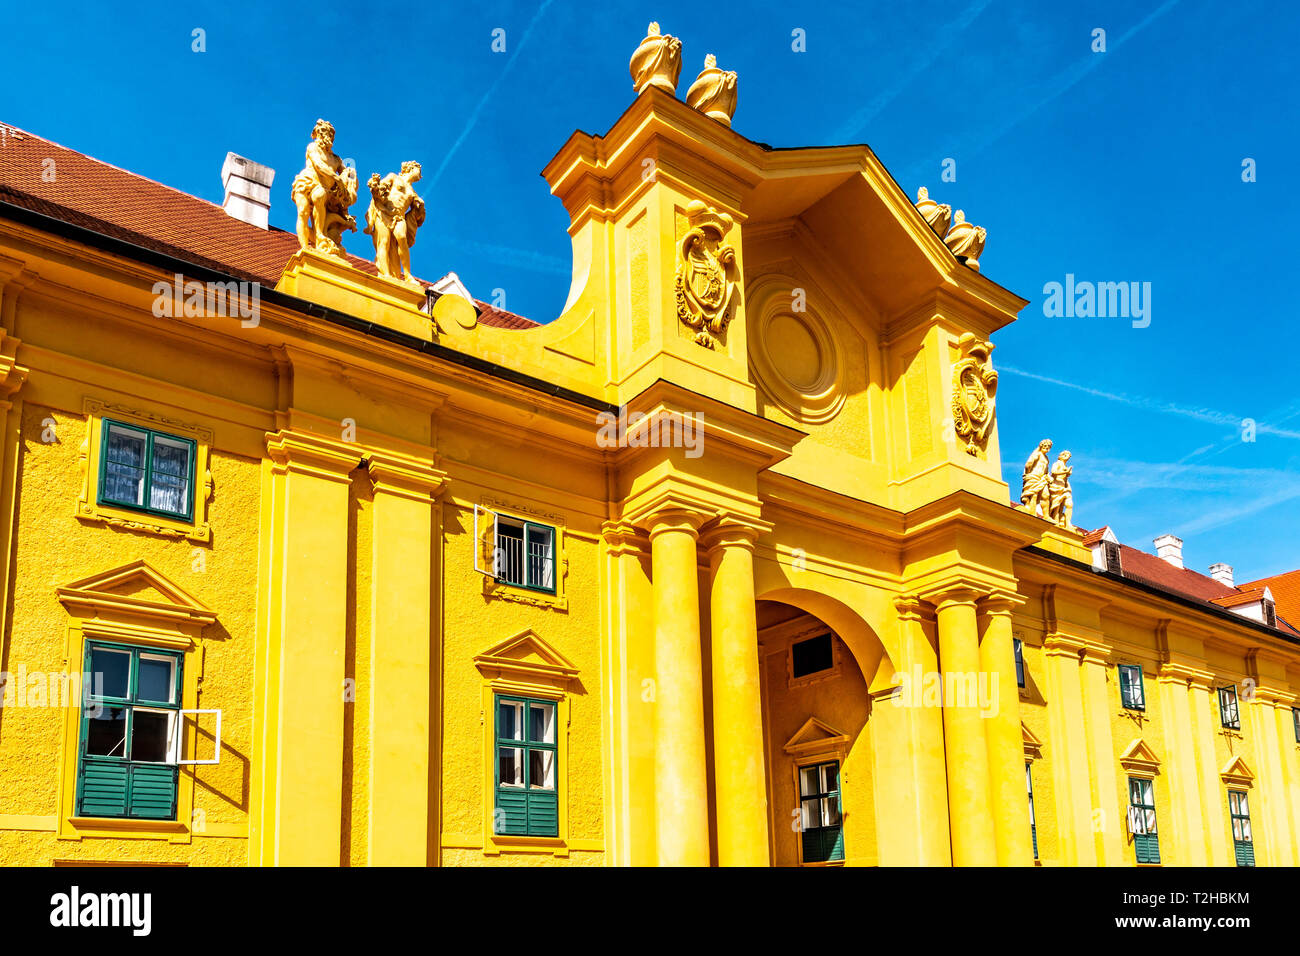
(657, 61)
(1060, 505)
(1033, 482)
(323, 192)
(395, 214)
(966, 240)
(714, 92)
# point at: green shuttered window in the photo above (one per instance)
(1131, 692)
(819, 803)
(145, 470)
(1243, 843)
(526, 798)
(130, 732)
(1142, 820)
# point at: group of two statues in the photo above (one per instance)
(1045, 486)
(327, 188)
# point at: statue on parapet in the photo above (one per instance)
(323, 192)
(395, 214)
(1060, 497)
(1034, 495)
(714, 92)
(966, 240)
(657, 61)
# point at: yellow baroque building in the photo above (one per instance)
(302, 564)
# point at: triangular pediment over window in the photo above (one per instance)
(525, 656)
(1237, 773)
(135, 591)
(815, 735)
(1138, 757)
(1033, 746)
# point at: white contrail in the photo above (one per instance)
(483, 101)
(1208, 415)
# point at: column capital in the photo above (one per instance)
(910, 607)
(1000, 603)
(1062, 645)
(311, 454)
(623, 537)
(673, 519)
(404, 476)
(734, 531)
(961, 596)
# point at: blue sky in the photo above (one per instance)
(1117, 166)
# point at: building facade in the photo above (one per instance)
(302, 564)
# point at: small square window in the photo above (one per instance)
(145, 470)
(1132, 694)
(812, 656)
(525, 554)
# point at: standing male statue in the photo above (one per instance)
(395, 214)
(1060, 497)
(323, 191)
(1034, 481)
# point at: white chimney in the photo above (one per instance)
(248, 190)
(1169, 548)
(1222, 573)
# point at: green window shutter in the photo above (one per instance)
(102, 786)
(1147, 846)
(512, 811)
(1245, 852)
(543, 813)
(153, 792)
(835, 843)
(1033, 836)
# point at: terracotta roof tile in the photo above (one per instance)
(96, 195)
(1252, 596)
(1094, 537)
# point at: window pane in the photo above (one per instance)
(830, 811)
(151, 736)
(541, 723)
(110, 673)
(541, 565)
(106, 733)
(541, 769)
(511, 725)
(511, 767)
(811, 814)
(807, 781)
(124, 484)
(830, 777)
(510, 552)
(124, 465)
(170, 458)
(155, 679)
(1245, 829)
(1149, 820)
(169, 494)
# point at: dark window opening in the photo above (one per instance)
(811, 656)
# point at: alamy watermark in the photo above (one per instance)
(661, 429)
(1103, 300)
(194, 299)
(917, 688)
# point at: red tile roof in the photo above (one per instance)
(1285, 589)
(1184, 582)
(98, 196)
(1095, 537)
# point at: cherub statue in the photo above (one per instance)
(1060, 497)
(395, 214)
(657, 61)
(966, 240)
(938, 215)
(323, 192)
(1034, 481)
(714, 92)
